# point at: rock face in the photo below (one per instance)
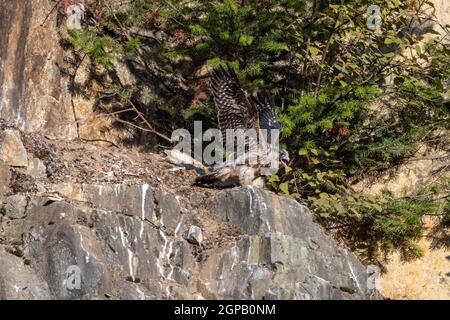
(33, 93)
(15, 206)
(12, 151)
(134, 240)
(130, 242)
(18, 281)
(38, 78)
(5, 177)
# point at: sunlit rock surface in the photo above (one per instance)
(34, 95)
(130, 242)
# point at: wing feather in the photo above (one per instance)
(234, 111)
(266, 111)
(265, 106)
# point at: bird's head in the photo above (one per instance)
(284, 157)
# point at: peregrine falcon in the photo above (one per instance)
(237, 110)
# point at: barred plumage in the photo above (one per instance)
(237, 111)
(234, 111)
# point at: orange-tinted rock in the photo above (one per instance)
(33, 94)
(12, 151)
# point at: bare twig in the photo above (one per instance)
(101, 140)
(325, 52)
(51, 11)
(114, 113)
(149, 129)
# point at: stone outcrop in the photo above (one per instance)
(12, 151)
(72, 233)
(130, 242)
(34, 95)
(5, 177)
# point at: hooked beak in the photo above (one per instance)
(286, 167)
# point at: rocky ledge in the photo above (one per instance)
(135, 242)
(89, 234)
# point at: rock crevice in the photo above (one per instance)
(132, 242)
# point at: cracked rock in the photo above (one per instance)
(5, 177)
(15, 206)
(12, 151)
(195, 235)
(36, 168)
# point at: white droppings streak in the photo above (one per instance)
(122, 237)
(352, 272)
(168, 291)
(250, 196)
(100, 190)
(167, 256)
(164, 256)
(130, 263)
(198, 296)
(87, 257)
(144, 193)
(161, 254)
(129, 252)
(177, 229)
(142, 294)
(262, 207)
(234, 255)
(117, 189)
(249, 251)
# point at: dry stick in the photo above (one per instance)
(170, 4)
(324, 55)
(428, 158)
(114, 113)
(284, 90)
(74, 109)
(150, 127)
(138, 115)
(133, 125)
(325, 52)
(364, 81)
(71, 94)
(101, 140)
(155, 70)
(51, 11)
(133, 107)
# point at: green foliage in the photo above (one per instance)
(342, 116)
(102, 49)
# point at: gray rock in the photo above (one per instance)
(12, 151)
(18, 281)
(35, 95)
(127, 242)
(15, 206)
(36, 168)
(5, 177)
(195, 235)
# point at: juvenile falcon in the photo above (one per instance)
(236, 110)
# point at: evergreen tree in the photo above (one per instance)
(353, 99)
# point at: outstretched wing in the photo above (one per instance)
(265, 106)
(234, 111)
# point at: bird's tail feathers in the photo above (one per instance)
(216, 179)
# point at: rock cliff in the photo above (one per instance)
(34, 95)
(127, 226)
